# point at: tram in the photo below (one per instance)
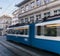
(43, 35)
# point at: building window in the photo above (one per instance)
(26, 20)
(38, 17)
(47, 1)
(22, 10)
(32, 5)
(47, 14)
(27, 7)
(56, 12)
(22, 20)
(38, 2)
(31, 19)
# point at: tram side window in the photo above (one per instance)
(50, 30)
(22, 31)
(17, 31)
(26, 31)
(11, 31)
(38, 30)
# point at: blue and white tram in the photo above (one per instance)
(45, 35)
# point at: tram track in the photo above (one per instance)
(8, 47)
(5, 52)
(21, 50)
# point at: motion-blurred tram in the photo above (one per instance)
(43, 35)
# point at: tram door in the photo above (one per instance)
(31, 33)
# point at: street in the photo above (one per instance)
(34, 25)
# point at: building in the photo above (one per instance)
(15, 17)
(5, 21)
(37, 10)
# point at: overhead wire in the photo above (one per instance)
(8, 7)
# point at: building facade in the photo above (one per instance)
(5, 21)
(15, 17)
(37, 10)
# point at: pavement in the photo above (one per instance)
(8, 48)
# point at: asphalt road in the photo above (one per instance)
(8, 48)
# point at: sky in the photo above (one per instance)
(8, 6)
